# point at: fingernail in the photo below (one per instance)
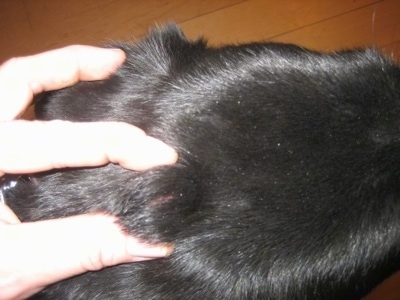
(160, 153)
(115, 53)
(117, 50)
(149, 251)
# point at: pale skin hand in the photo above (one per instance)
(34, 255)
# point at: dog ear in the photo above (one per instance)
(164, 52)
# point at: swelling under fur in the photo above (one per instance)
(287, 185)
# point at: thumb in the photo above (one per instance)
(40, 253)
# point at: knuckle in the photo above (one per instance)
(94, 262)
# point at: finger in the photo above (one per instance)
(7, 216)
(33, 146)
(58, 249)
(23, 77)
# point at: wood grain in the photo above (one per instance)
(261, 20)
(375, 25)
(29, 26)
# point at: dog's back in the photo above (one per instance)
(287, 185)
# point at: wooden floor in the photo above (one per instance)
(30, 26)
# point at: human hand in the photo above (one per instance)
(34, 255)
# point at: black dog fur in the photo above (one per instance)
(288, 179)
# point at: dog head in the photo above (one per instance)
(287, 184)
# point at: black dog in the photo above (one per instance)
(287, 185)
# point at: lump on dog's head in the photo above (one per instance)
(287, 184)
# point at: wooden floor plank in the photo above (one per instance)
(392, 50)
(377, 25)
(389, 290)
(262, 19)
(31, 26)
